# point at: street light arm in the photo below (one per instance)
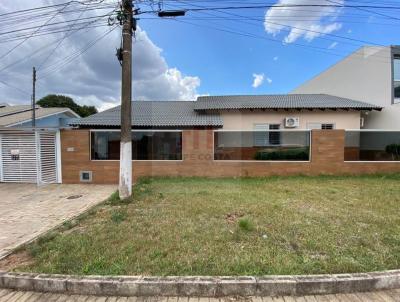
(171, 13)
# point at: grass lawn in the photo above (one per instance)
(250, 226)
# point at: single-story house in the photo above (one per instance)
(27, 155)
(224, 136)
(240, 112)
(21, 116)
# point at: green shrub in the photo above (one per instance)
(245, 225)
(288, 154)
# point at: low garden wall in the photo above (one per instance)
(327, 154)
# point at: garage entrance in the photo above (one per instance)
(27, 156)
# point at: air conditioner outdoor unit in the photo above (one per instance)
(292, 122)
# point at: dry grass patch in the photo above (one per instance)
(243, 226)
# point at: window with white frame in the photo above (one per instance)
(321, 126)
(264, 137)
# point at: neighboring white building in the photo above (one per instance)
(370, 74)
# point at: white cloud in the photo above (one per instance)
(95, 77)
(349, 31)
(258, 80)
(275, 58)
(269, 80)
(302, 22)
(332, 45)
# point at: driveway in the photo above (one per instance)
(27, 211)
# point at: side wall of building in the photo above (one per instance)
(242, 120)
(365, 75)
(327, 157)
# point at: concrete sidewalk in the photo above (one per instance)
(28, 211)
(19, 296)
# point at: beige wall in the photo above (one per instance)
(236, 120)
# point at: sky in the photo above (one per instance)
(265, 50)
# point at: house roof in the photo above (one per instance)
(8, 110)
(154, 114)
(280, 101)
(12, 115)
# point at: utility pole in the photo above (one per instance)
(37, 139)
(124, 54)
(34, 98)
(125, 163)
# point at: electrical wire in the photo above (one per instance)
(14, 87)
(34, 53)
(72, 57)
(23, 41)
(59, 43)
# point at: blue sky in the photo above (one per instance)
(219, 52)
(225, 62)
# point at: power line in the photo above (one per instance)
(51, 32)
(370, 11)
(296, 27)
(51, 24)
(72, 57)
(32, 18)
(277, 6)
(70, 32)
(59, 43)
(87, 2)
(246, 34)
(23, 41)
(276, 18)
(14, 87)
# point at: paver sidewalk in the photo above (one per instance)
(17, 296)
(27, 211)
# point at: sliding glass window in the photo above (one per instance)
(146, 145)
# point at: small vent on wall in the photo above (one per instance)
(85, 176)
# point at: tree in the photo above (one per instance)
(53, 100)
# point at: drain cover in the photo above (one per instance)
(74, 196)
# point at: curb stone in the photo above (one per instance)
(201, 286)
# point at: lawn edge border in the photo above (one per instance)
(187, 286)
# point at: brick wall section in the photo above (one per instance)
(327, 155)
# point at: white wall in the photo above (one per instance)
(245, 120)
(365, 75)
(388, 118)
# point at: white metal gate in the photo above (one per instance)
(29, 157)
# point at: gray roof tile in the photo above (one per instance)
(282, 101)
(154, 114)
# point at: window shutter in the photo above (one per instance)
(261, 135)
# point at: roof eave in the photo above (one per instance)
(290, 108)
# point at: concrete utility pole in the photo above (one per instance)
(125, 164)
(34, 98)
